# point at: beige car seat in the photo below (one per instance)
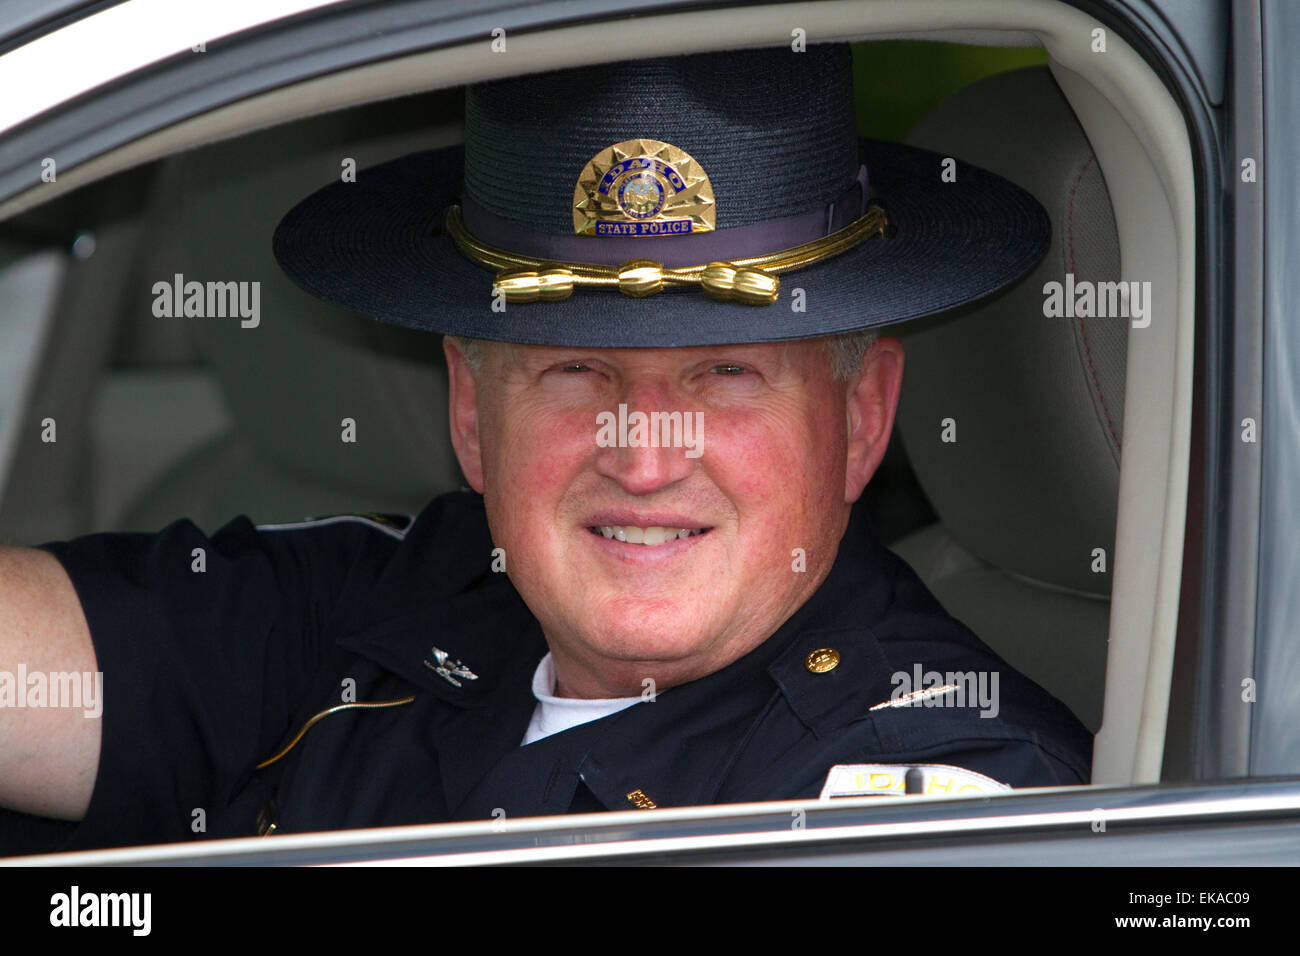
(309, 375)
(1026, 494)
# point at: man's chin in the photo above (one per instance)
(668, 643)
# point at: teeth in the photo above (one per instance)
(651, 536)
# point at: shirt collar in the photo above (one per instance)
(439, 612)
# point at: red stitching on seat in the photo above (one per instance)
(1083, 330)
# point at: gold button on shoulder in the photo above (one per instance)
(822, 660)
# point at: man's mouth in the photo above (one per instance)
(650, 537)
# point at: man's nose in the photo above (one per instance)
(652, 440)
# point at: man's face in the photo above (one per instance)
(775, 453)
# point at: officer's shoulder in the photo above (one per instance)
(453, 515)
(394, 526)
(448, 542)
(948, 685)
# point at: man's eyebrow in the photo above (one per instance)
(531, 358)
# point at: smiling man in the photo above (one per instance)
(611, 618)
(594, 535)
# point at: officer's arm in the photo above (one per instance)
(48, 755)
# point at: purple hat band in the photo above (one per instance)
(725, 245)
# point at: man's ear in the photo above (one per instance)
(462, 408)
(872, 402)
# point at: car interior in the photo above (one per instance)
(1052, 525)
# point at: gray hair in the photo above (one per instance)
(845, 351)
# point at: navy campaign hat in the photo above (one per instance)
(705, 199)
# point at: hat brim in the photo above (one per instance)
(376, 246)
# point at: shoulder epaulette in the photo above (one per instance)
(395, 526)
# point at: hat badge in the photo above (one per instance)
(643, 188)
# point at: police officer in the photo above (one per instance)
(660, 284)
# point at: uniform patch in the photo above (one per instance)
(395, 526)
(889, 780)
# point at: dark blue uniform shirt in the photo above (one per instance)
(208, 673)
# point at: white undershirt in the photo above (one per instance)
(554, 714)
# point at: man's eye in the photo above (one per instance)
(729, 369)
(575, 367)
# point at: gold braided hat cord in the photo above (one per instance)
(752, 281)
